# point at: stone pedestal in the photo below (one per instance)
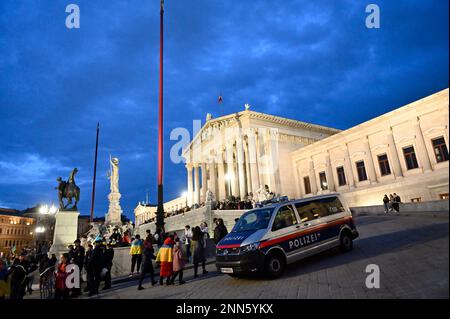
(66, 228)
(113, 217)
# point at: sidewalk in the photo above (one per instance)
(121, 279)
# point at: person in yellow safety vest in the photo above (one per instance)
(136, 249)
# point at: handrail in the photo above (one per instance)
(40, 275)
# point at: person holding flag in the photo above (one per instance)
(165, 259)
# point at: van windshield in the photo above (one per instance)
(253, 220)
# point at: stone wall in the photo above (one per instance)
(422, 207)
(122, 259)
(194, 218)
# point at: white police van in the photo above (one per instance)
(265, 239)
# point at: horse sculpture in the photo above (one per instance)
(68, 190)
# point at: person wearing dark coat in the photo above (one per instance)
(18, 273)
(94, 267)
(108, 262)
(87, 262)
(149, 256)
(32, 267)
(77, 256)
(396, 203)
(198, 247)
(220, 231)
(52, 262)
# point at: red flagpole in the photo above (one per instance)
(95, 174)
(160, 209)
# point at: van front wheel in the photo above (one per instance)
(346, 242)
(275, 265)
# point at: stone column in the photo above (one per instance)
(212, 179)
(369, 161)
(247, 169)
(272, 161)
(421, 148)
(312, 177)
(230, 169)
(329, 174)
(240, 164)
(196, 184)
(349, 169)
(221, 183)
(190, 191)
(253, 161)
(260, 152)
(298, 188)
(204, 182)
(396, 166)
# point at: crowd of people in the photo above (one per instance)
(391, 203)
(173, 253)
(231, 203)
(17, 272)
(170, 252)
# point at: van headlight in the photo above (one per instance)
(250, 247)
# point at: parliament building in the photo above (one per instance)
(403, 151)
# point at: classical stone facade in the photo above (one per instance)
(146, 211)
(237, 154)
(403, 151)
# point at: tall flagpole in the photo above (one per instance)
(95, 174)
(160, 209)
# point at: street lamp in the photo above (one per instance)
(40, 229)
(44, 221)
(43, 209)
(46, 210)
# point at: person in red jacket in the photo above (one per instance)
(61, 290)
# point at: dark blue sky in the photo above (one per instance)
(309, 60)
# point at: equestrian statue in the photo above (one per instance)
(68, 190)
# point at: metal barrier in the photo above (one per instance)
(47, 283)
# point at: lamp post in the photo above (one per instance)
(46, 213)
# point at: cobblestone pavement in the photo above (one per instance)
(412, 253)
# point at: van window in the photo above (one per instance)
(253, 220)
(314, 209)
(284, 218)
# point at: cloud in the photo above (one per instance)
(28, 169)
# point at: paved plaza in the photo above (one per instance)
(412, 253)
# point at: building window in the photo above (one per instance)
(361, 169)
(307, 185)
(440, 149)
(416, 200)
(444, 196)
(383, 161)
(323, 181)
(410, 157)
(341, 176)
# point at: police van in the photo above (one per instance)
(268, 238)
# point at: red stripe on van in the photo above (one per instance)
(229, 246)
(304, 232)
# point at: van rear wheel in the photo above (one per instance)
(346, 242)
(275, 265)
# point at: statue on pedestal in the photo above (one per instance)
(113, 217)
(68, 190)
